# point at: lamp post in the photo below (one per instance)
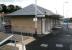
(37, 15)
(35, 19)
(66, 2)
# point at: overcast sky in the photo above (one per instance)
(62, 7)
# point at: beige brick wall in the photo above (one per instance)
(24, 24)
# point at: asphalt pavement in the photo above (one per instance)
(60, 39)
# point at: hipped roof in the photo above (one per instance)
(30, 10)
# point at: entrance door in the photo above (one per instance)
(47, 25)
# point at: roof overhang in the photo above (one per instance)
(39, 16)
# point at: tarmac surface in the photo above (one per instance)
(60, 39)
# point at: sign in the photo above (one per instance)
(34, 19)
(40, 15)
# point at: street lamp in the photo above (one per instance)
(66, 2)
(64, 7)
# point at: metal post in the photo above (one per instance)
(35, 17)
(63, 10)
(41, 26)
(22, 41)
(67, 25)
(63, 13)
(14, 38)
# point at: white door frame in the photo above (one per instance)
(43, 26)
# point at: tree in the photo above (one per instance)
(11, 8)
(3, 8)
(17, 7)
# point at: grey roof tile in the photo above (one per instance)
(30, 10)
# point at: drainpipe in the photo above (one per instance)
(41, 26)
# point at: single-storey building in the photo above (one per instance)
(23, 20)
